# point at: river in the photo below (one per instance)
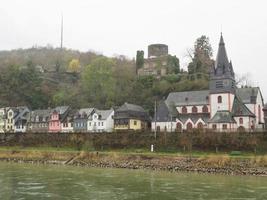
(36, 182)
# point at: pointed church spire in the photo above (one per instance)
(222, 76)
(221, 40)
(222, 63)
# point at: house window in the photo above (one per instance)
(214, 126)
(102, 123)
(224, 126)
(89, 123)
(184, 110)
(219, 99)
(135, 123)
(205, 109)
(98, 123)
(240, 120)
(194, 109)
(158, 128)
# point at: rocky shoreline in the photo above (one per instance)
(211, 165)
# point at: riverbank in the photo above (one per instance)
(210, 163)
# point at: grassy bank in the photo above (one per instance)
(222, 163)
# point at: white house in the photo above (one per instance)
(101, 121)
(16, 119)
(223, 107)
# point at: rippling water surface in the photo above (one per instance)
(33, 182)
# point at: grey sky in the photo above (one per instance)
(124, 26)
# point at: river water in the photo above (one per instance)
(36, 182)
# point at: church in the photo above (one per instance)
(224, 107)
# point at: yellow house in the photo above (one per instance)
(131, 117)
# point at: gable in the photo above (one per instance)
(239, 109)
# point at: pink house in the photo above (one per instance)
(55, 118)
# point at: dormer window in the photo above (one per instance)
(184, 110)
(194, 109)
(100, 117)
(205, 109)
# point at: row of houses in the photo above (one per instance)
(65, 119)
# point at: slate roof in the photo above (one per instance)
(20, 112)
(42, 114)
(222, 64)
(165, 113)
(61, 109)
(83, 113)
(248, 95)
(188, 98)
(104, 113)
(265, 107)
(239, 109)
(127, 111)
(69, 117)
(130, 107)
(222, 117)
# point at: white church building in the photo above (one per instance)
(223, 107)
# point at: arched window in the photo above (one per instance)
(200, 125)
(205, 109)
(189, 126)
(178, 127)
(184, 110)
(219, 99)
(194, 109)
(241, 120)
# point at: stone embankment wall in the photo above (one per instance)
(195, 141)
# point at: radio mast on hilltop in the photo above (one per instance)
(61, 38)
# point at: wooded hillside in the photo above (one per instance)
(44, 77)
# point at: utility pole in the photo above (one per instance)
(155, 116)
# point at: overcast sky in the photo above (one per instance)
(123, 26)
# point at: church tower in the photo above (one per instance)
(222, 84)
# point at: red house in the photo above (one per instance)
(56, 117)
